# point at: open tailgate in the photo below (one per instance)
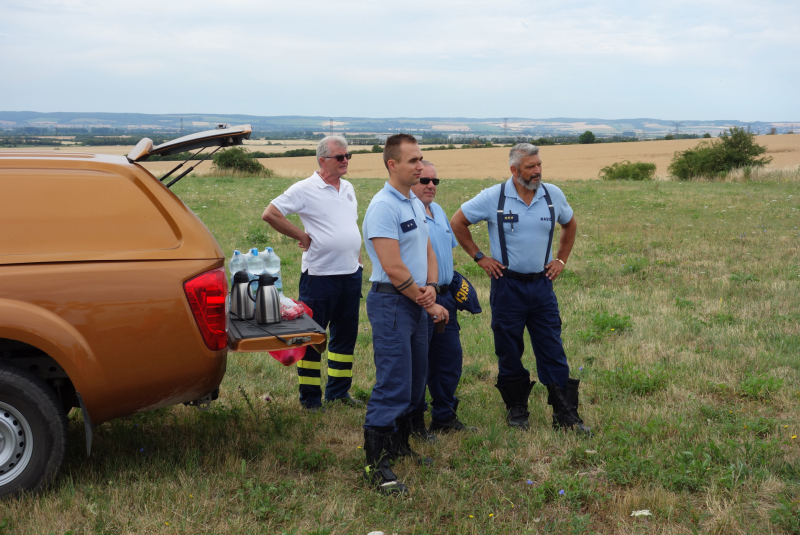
(247, 336)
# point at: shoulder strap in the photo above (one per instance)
(501, 234)
(552, 224)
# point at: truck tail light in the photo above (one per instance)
(207, 294)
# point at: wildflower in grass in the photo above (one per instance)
(529, 482)
(561, 492)
(471, 516)
(491, 515)
(794, 437)
(581, 368)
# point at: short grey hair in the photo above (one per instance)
(520, 151)
(426, 163)
(324, 149)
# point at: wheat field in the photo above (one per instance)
(561, 162)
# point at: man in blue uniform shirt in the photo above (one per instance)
(404, 275)
(521, 215)
(445, 356)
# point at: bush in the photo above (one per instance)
(626, 170)
(733, 150)
(239, 159)
(587, 138)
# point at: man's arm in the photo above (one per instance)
(428, 295)
(278, 221)
(568, 232)
(388, 252)
(460, 225)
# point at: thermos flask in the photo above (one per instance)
(267, 300)
(242, 306)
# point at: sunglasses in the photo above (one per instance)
(341, 157)
(425, 180)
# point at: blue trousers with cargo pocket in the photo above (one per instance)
(400, 349)
(517, 305)
(335, 301)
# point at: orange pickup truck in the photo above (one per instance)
(113, 299)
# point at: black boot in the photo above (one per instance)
(565, 415)
(399, 443)
(572, 404)
(377, 470)
(450, 424)
(418, 429)
(515, 392)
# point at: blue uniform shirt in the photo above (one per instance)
(391, 215)
(443, 241)
(526, 245)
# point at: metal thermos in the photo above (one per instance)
(242, 305)
(268, 302)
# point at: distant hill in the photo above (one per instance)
(497, 126)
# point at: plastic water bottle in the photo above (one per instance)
(255, 264)
(273, 265)
(236, 263)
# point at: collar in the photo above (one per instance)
(511, 191)
(321, 184)
(391, 189)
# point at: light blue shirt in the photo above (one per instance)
(443, 241)
(392, 215)
(526, 244)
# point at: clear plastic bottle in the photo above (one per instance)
(273, 264)
(255, 264)
(236, 263)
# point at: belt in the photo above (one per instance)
(384, 288)
(523, 277)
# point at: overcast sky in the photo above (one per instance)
(673, 59)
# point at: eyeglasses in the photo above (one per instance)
(425, 180)
(341, 157)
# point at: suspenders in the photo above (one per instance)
(501, 232)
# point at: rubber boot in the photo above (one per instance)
(451, 424)
(572, 404)
(515, 392)
(399, 443)
(377, 470)
(565, 416)
(418, 429)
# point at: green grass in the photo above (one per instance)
(679, 304)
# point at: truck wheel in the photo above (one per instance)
(33, 432)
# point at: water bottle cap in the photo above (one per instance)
(236, 252)
(269, 249)
(254, 251)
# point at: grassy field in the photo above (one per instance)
(680, 307)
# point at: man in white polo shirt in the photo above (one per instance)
(330, 283)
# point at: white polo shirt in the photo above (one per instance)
(330, 217)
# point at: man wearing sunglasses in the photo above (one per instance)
(330, 280)
(521, 214)
(445, 356)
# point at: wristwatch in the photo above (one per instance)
(478, 256)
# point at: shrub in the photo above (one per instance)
(626, 170)
(733, 150)
(238, 159)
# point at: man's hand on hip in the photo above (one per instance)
(492, 267)
(305, 242)
(553, 269)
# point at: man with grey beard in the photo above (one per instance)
(521, 214)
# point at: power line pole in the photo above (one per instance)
(676, 125)
(505, 127)
(330, 128)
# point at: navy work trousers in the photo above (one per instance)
(445, 360)
(335, 302)
(515, 306)
(400, 349)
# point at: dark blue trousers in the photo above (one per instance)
(515, 306)
(445, 360)
(400, 349)
(335, 302)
